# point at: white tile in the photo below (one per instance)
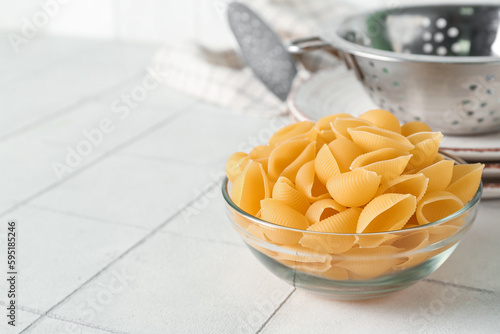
(206, 135)
(51, 326)
(474, 261)
(179, 285)
(128, 190)
(206, 219)
(23, 320)
(422, 308)
(57, 253)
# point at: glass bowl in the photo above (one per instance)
(374, 264)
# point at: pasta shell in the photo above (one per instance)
(439, 175)
(426, 148)
(373, 240)
(344, 151)
(325, 164)
(307, 155)
(388, 212)
(284, 155)
(261, 151)
(323, 209)
(290, 131)
(414, 127)
(340, 126)
(369, 262)
(414, 184)
(383, 119)
(465, 181)
(308, 183)
(342, 222)
(355, 188)
(386, 162)
(324, 122)
(411, 243)
(285, 191)
(437, 205)
(370, 138)
(250, 187)
(235, 165)
(279, 213)
(305, 255)
(325, 137)
(336, 274)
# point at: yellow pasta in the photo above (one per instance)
(383, 119)
(284, 155)
(290, 131)
(414, 127)
(342, 222)
(250, 187)
(323, 209)
(439, 175)
(354, 188)
(325, 122)
(386, 162)
(411, 243)
(344, 151)
(426, 148)
(307, 155)
(336, 273)
(373, 240)
(279, 213)
(340, 126)
(388, 212)
(325, 164)
(235, 165)
(309, 184)
(284, 191)
(414, 184)
(465, 181)
(369, 138)
(437, 205)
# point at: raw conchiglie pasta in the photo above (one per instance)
(369, 262)
(369, 138)
(426, 148)
(325, 164)
(308, 183)
(439, 175)
(465, 181)
(307, 155)
(414, 184)
(341, 126)
(437, 205)
(284, 155)
(414, 127)
(279, 213)
(388, 212)
(261, 151)
(235, 165)
(284, 190)
(411, 243)
(383, 119)
(344, 152)
(304, 255)
(342, 222)
(290, 131)
(386, 162)
(323, 209)
(373, 240)
(324, 122)
(250, 187)
(355, 188)
(336, 273)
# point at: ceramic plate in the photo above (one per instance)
(337, 90)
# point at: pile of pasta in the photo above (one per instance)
(349, 175)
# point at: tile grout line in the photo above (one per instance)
(105, 329)
(104, 156)
(275, 311)
(67, 109)
(127, 251)
(470, 288)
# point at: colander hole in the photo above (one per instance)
(484, 104)
(473, 129)
(480, 120)
(496, 119)
(465, 102)
(417, 118)
(455, 122)
(456, 47)
(379, 88)
(371, 88)
(382, 101)
(427, 48)
(371, 64)
(490, 77)
(427, 36)
(405, 50)
(385, 70)
(375, 77)
(453, 32)
(396, 84)
(441, 23)
(438, 37)
(426, 22)
(401, 108)
(470, 113)
(442, 51)
(492, 112)
(489, 91)
(472, 87)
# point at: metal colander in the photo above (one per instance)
(438, 64)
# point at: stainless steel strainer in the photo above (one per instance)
(435, 63)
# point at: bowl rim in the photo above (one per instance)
(330, 33)
(469, 205)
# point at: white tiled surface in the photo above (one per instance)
(135, 238)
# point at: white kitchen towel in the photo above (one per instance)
(220, 77)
